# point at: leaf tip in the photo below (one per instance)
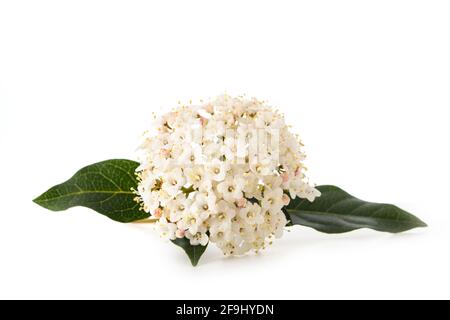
(418, 223)
(38, 201)
(194, 262)
(422, 224)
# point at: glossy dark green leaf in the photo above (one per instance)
(336, 211)
(193, 252)
(105, 187)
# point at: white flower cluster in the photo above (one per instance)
(221, 172)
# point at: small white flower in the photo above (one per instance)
(224, 214)
(198, 238)
(229, 247)
(251, 214)
(166, 229)
(150, 200)
(195, 176)
(309, 193)
(220, 233)
(243, 230)
(206, 187)
(262, 165)
(273, 200)
(187, 155)
(191, 221)
(231, 189)
(178, 207)
(173, 182)
(204, 204)
(272, 182)
(217, 169)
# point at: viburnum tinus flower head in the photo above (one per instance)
(221, 172)
(228, 172)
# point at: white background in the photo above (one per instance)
(365, 83)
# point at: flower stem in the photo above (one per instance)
(146, 220)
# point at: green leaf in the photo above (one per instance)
(336, 211)
(104, 187)
(288, 217)
(194, 252)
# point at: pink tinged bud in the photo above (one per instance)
(158, 213)
(241, 203)
(286, 199)
(209, 108)
(179, 233)
(165, 152)
(285, 177)
(203, 121)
